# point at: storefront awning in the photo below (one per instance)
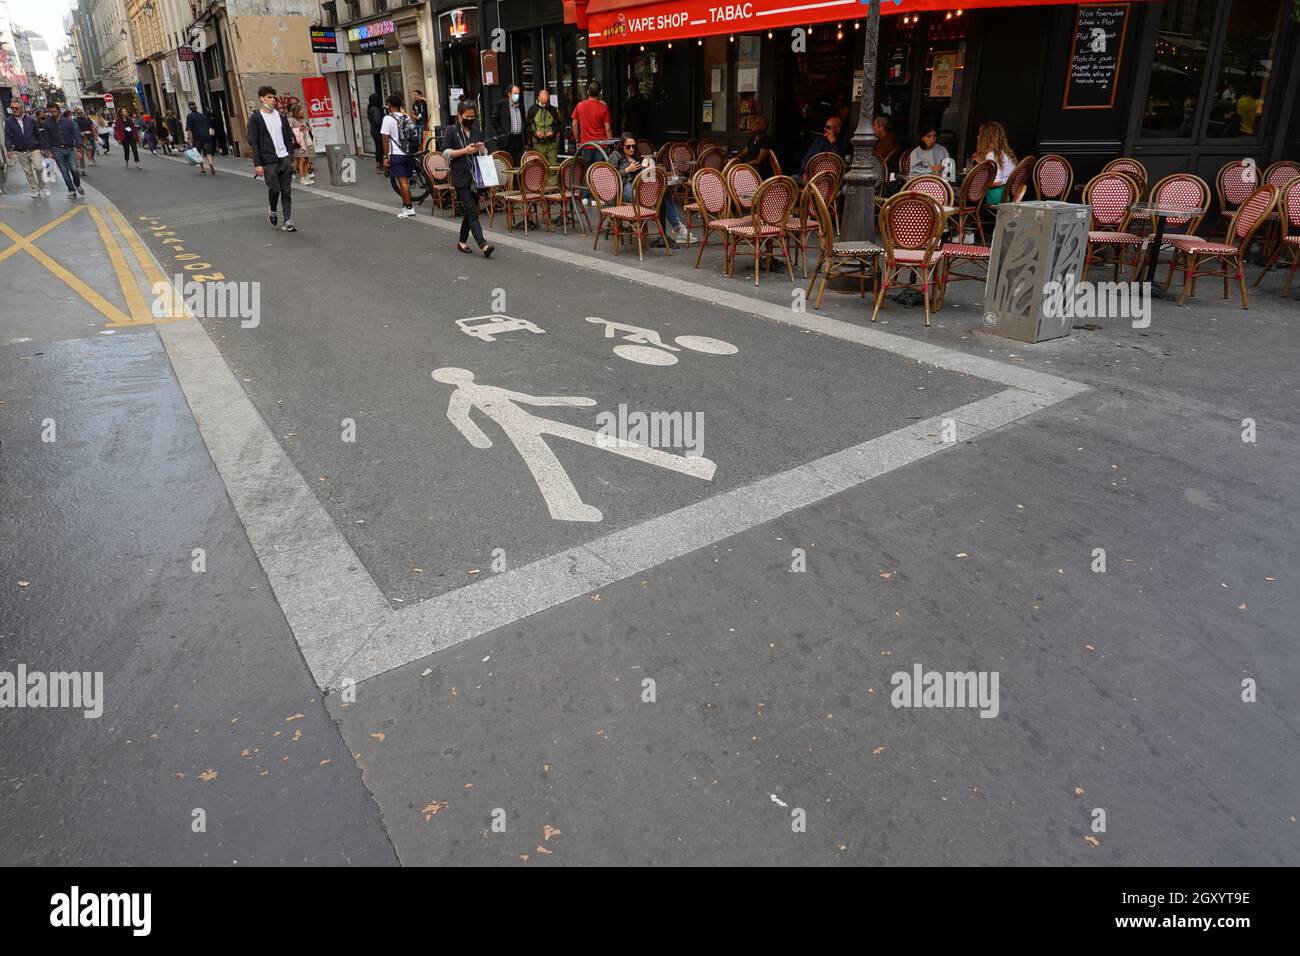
(614, 22)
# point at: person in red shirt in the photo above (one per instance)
(591, 121)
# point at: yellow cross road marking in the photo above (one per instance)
(97, 301)
(21, 242)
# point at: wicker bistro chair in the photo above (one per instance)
(767, 225)
(970, 198)
(833, 254)
(1110, 197)
(713, 203)
(646, 208)
(1234, 184)
(828, 163)
(712, 157)
(1131, 168)
(1018, 181)
(910, 226)
(1289, 213)
(645, 147)
(531, 194)
(568, 196)
(496, 194)
(1281, 173)
(1197, 252)
(1179, 191)
(803, 222)
(606, 187)
(1053, 178)
(439, 175)
(742, 182)
(936, 187)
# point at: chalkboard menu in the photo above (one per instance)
(1095, 56)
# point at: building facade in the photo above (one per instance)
(14, 80)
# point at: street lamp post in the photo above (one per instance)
(865, 174)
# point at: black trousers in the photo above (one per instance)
(279, 183)
(468, 200)
(129, 147)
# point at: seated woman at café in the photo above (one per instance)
(930, 155)
(991, 144)
(628, 161)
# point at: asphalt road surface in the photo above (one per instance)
(445, 614)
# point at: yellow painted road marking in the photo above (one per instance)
(21, 242)
(146, 261)
(97, 301)
(125, 278)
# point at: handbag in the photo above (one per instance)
(485, 173)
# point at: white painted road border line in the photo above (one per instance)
(345, 627)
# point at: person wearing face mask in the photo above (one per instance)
(544, 127)
(270, 139)
(508, 124)
(464, 140)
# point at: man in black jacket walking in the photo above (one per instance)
(271, 141)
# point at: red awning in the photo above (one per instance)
(575, 11)
(613, 22)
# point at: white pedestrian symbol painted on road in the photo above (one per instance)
(527, 431)
(649, 347)
(487, 327)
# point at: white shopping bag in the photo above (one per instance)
(485, 175)
(50, 171)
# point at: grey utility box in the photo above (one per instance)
(1037, 248)
(336, 155)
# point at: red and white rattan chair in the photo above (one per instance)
(1110, 197)
(1178, 191)
(910, 226)
(713, 204)
(1053, 178)
(803, 222)
(1289, 214)
(530, 195)
(645, 210)
(1233, 185)
(568, 195)
(1131, 168)
(606, 187)
(767, 225)
(832, 254)
(1018, 181)
(970, 198)
(1231, 256)
(1281, 173)
(438, 173)
(742, 182)
(936, 187)
(828, 163)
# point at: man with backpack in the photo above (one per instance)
(271, 141)
(400, 141)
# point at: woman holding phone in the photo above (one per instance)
(465, 142)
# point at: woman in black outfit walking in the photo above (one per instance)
(128, 134)
(464, 141)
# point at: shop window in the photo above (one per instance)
(713, 113)
(1178, 68)
(1239, 91)
(330, 14)
(748, 60)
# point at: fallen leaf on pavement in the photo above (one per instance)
(1078, 791)
(208, 775)
(542, 849)
(1092, 840)
(549, 831)
(294, 717)
(432, 809)
(297, 734)
(23, 584)
(379, 737)
(878, 750)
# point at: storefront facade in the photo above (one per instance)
(1180, 84)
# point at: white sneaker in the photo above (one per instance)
(36, 194)
(406, 214)
(45, 192)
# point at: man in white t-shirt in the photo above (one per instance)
(397, 162)
(271, 142)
